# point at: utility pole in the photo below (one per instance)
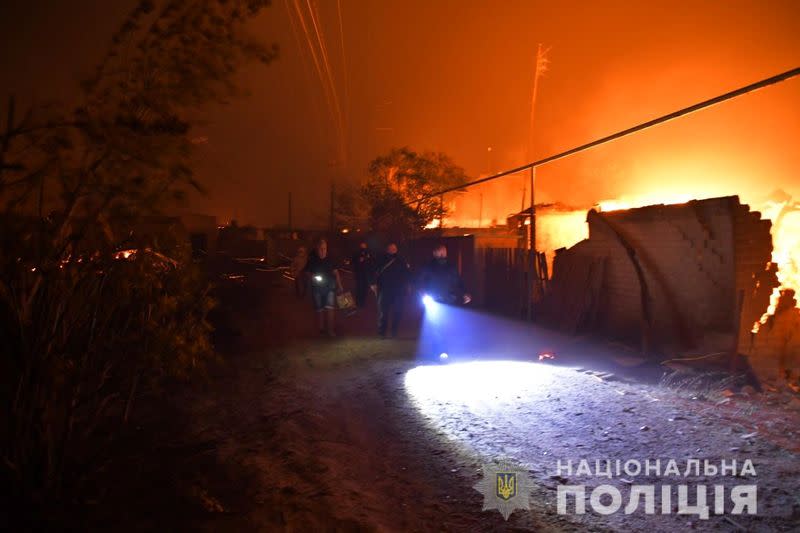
(333, 202)
(290, 212)
(480, 212)
(541, 67)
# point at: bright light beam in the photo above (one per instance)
(467, 334)
(498, 408)
(478, 386)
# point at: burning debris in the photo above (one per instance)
(785, 217)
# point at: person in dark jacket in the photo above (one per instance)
(362, 263)
(325, 283)
(441, 281)
(391, 284)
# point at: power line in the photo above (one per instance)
(649, 124)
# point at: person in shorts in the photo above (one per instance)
(323, 276)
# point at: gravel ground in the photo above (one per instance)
(354, 433)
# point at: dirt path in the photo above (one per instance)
(338, 435)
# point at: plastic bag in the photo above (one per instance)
(345, 301)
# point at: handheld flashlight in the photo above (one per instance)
(427, 300)
(318, 278)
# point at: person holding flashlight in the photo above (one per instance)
(441, 285)
(441, 281)
(325, 283)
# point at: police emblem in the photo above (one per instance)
(505, 487)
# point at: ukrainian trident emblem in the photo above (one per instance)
(506, 485)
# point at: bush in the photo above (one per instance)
(93, 307)
(82, 337)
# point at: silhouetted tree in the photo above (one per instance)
(90, 309)
(392, 201)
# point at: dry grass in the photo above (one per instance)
(707, 385)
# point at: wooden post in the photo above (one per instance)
(333, 200)
(290, 212)
(531, 246)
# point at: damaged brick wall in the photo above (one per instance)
(687, 260)
(755, 273)
(774, 351)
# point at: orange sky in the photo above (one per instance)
(456, 76)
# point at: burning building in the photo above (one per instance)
(700, 277)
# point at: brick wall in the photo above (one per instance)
(686, 254)
(774, 352)
(695, 259)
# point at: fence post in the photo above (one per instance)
(531, 246)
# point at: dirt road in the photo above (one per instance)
(353, 433)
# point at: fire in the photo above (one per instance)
(435, 223)
(619, 204)
(559, 229)
(564, 228)
(785, 218)
(125, 254)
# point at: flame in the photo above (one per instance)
(619, 204)
(435, 223)
(785, 218)
(559, 229)
(125, 254)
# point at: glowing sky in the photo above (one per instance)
(456, 76)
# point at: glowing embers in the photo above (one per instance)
(478, 385)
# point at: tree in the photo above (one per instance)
(90, 308)
(395, 198)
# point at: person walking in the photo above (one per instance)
(298, 271)
(362, 263)
(440, 280)
(391, 285)
(325, 283)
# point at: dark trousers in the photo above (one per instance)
(362, 289)
(300, 286)
(389, 303)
